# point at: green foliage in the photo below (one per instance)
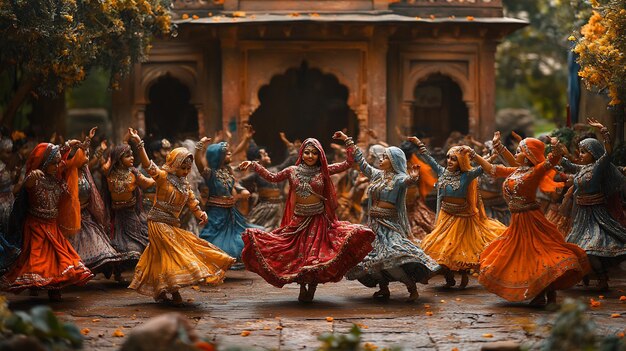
(49, 45)
(346, 342)
(574, 329)
(532, 62)
(92, 92)
(41, 324)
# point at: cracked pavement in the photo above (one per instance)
(462, 319)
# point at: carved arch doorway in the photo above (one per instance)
(438, 109)
(169, 113)
(303, 102)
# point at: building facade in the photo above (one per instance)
(310, 67)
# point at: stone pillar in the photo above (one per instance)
(486, 91)
(377, 82)
(231, 78)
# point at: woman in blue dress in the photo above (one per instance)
(225, 223)
(394, 257)
(594, 229)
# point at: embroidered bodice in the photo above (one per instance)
(384, 186)
(520, 186)
(305, 180)
(6, 183)
(44, 197)
(123, 182)
(451, 184)
(223, 182)
(172, 194)
(587, 178)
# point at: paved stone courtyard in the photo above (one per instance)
(443, 319)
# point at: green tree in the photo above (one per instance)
(48, 45)
(532, 63)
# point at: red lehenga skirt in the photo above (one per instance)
(310, 249)
(48, 260)
(530, 256)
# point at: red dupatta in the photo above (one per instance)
(330, 204)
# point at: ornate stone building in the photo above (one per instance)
(311, 67)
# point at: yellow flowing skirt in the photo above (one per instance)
(457, 241)
(176, 258)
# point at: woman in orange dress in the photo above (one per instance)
(462, 229)
(174, 258)
(530, 260)
(46, 209)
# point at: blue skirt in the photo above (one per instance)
(224, 228)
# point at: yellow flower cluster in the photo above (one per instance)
(602, 49)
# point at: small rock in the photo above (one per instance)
(501, 346)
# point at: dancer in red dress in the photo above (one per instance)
(311, 246)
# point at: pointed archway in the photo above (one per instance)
(170, 113)
(438, 108)
(303, 102)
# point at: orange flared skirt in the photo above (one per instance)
(530, 256)
(48, 260)
(457, 241)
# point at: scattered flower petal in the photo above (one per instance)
(85, 331)
(279, 327)
(622, 298)
(118, 333)
(616, 315)
(96, 320)
(185, 16)
(470, 18)
(245, 333)
(487, 335)
(429, 313)
(329, 319)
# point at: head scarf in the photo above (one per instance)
(377, 152)
(330, 204)
(215, 154)
(534, 150)
(399, 165)
(612, 179)
(176, 158)
(473, 196)
(194, 176)
(41, 156)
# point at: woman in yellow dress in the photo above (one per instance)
(174, 258)
(462, 229)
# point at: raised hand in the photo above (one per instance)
(244, 165)
(133, 135)
(415, 140)
(414, 171)
(594, 123)
(92, 132)
(339, 135)
(496, 138)
(103, 145)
